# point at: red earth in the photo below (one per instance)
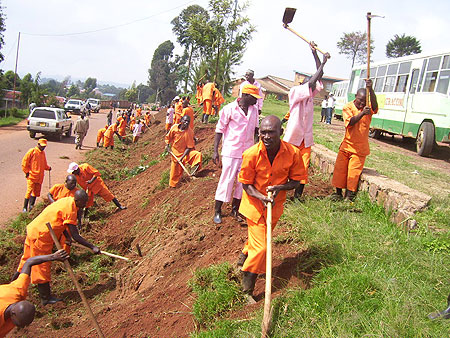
(149, 297)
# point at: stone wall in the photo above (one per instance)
(394, 196)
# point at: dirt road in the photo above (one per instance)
(16, 141)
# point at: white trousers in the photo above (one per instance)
(230, 170)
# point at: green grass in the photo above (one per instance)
(217, 290)
(13, 117)
(371, 277)
(275, 107)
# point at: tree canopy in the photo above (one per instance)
(354, 46)
(2, 29)
(402, 45)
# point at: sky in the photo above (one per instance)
(122, 35)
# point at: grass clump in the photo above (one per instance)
(164, 181)
(13, 116)
(218, 292)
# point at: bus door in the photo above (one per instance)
(410, 99)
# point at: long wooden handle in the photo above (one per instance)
(75, 281)
(268, 293)
(179, 162)
(103, 252)
(301, 37)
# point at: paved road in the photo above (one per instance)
(15, 142)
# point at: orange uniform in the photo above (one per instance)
(39, 242)
(257, 171)
(353, 150)
(34, 163)
(109, 135)
(198, 94)
(11, 293)
(207, 97)
(100, 134)
(178, 112)
(189, 112)
(138, 112)
(218, 99)
(180, 140)
(147, 118)
(122, 126)
(98, 187)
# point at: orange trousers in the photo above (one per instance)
(305, 153)
(103, 192)
(256, 246)
(108, 141)
(33, 189)
(347, 170)
(176, 171)
(207, 107)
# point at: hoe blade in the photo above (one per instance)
(288, 15)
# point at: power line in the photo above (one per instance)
(111, 27)
(9, 53)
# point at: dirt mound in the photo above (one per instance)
(175, 232)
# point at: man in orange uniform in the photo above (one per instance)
(198, 94)
(33, 165)
(101, 135)
(207, 97)
(122, 125)
(217, 100)
(132, 123)
(14, 309)
(188, 111)
(62, 215)
(89, 179)
(109, 136)
(355, 146)
(271, 165)
(181, 138)
(178, 110)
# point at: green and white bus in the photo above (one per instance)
(413, 96)
(339, 91)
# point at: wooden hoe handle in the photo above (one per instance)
(268, 293)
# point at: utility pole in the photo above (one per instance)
(15, 72)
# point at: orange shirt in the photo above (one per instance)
(257, 170)
(110, 131)
(207, 91)
(11, 293)
(60, 214)
(189, 112)
(86, 173)
(218, 98)
(180, 139)
(34, 162)
(100, 134)
(356, 139)
(198, 95)
(147, 118)
(122, 125)
(59, 191)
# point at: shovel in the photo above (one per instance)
(287, 19)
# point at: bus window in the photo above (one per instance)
(446, 62)
(442, 86)
(434, 63)
(405, 67)
(430, 82)
(381, 71)
(415, 77)
(392, 70)
(402, 80)
(379, 84)
(389, 84)
(352, 79)
(422, 74)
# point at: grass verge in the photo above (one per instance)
(13, 117)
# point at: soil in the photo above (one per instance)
(173, 227)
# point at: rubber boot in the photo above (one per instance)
(299, 191)
(15, 276)
(350, 195)
(235, 210)
(32, 201)
(241, 260)
(337, 196)
(218, 212)
(206, 118)
(25, 205)
(117, 203)
(203, 118)
(248, 285)
(98, 145)
(46, 296)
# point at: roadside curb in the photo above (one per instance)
(394, 196)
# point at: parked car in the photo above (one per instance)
(50, 122)
(95, 104)
(74, 106)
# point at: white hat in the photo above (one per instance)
(176, 98)
(72, 167)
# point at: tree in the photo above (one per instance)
(2, 29)
(402, 46)
(9, 80)
(132, 93)
(26, 89)
(38, 94)
(144, 93)
(354, 46)
(73, 90)
(89, 85)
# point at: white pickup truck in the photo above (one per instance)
(74, 106)
(95, 104)
(50, 122)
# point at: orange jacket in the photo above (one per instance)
(189, 112)
(218, 98)
(257, 170)
(86, 173)
(34, 163)
(11, 293)
(101, 133)
(199, 94)
(207, 91)
(180, 139)
(59, 191)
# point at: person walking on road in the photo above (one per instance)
(81, 128)
(109, 118)
(237, 123)
(34, 163)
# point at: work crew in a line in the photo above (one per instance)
(299, 129)
(33, 165)
(89, 179)
(14, 309)
(237, 123)
(180, 141)
(355, 146)
(62, 215)
(270, 165)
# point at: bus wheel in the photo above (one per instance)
(375, 133)
(425, 139)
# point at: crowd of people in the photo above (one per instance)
(250, 169)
